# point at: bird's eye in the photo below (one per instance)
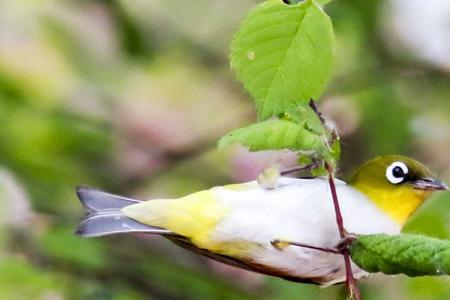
(396, 172)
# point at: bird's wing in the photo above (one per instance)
(246, 265)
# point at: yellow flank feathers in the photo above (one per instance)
(193, 216)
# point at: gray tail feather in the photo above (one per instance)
(96, 200)
(105, 217)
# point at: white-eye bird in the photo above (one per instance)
(237, 224)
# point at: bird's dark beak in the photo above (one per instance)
(429, 184)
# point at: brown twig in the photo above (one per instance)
(298, 168)
(337, 209)
(350, 281)
(313, 106)
(333, 132)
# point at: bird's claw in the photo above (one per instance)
(279, 244)
(345, 242)
(340, 248)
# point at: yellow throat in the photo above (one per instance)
(399, 204)
(392, 183)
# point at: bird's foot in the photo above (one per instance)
(340, 247)
(281, 245)
(345, 242)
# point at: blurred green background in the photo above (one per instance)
(131, 97)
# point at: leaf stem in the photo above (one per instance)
(298, 168)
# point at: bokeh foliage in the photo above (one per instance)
(131, 96)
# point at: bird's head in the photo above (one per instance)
(396, 184)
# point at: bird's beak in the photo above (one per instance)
(429, 184)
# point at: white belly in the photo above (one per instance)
(299, 210)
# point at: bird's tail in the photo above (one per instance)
(105, 217)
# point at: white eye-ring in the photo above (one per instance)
(396, 172)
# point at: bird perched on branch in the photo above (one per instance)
(249, 226)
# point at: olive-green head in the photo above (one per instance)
(397, 184)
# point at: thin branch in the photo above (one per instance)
(337, 209)
(313, 106)
(333, 132)
(350, 280)
(298, 168)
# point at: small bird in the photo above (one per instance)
(237, 224)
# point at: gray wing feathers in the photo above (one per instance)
(105, 217)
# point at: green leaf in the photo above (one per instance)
(277, 134)
(283, 54)
(413, 255)
(336, 150)
(305, 114)
(322, 2)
